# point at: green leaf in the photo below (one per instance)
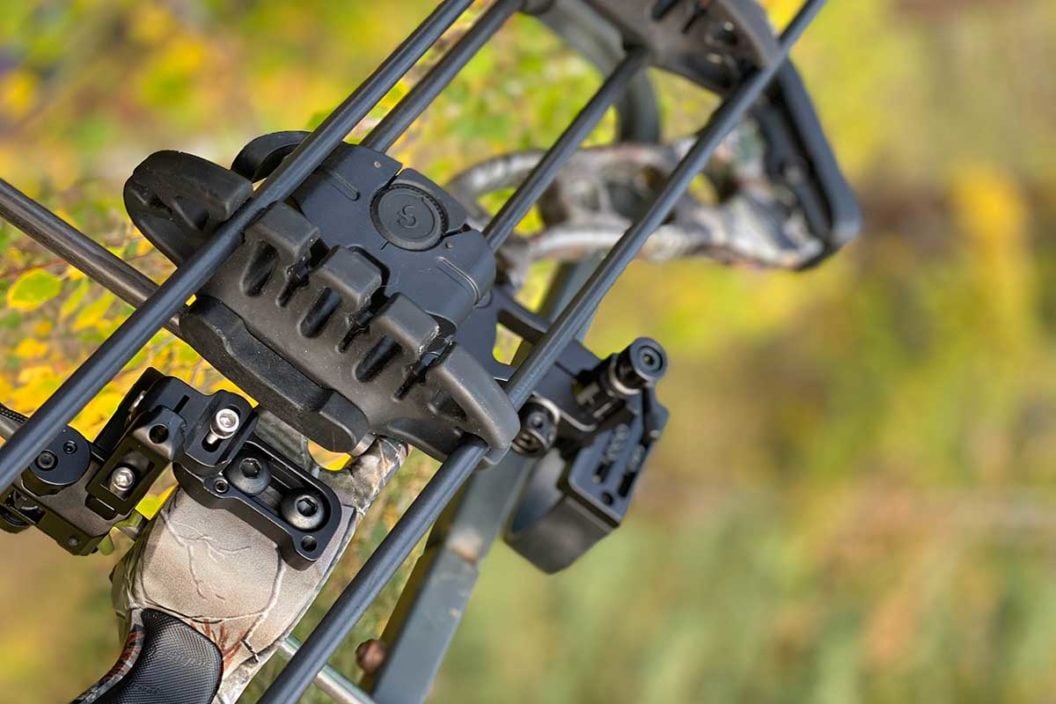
(33, 289)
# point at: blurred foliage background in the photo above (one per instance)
(855, 497)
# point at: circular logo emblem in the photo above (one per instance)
(409, 218)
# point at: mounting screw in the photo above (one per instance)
(122, 479)
(538, 429)
(47, 460)
(250, 467)
(370, 655)
(641, 365)
(304, 510)
(250, 475)
(222, 425)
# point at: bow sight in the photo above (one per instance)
(354, 298)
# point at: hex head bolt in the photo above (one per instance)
(222, 425)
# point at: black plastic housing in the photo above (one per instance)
(338, 310)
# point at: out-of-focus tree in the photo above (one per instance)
(854, 498)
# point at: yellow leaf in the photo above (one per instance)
(184, 354)
(35, 384)
(151, 23)
(73, 301)
(27, 376)
(990, 206)
(32, 289)
(18, 93)
(30, 348)
(94, 313)
(92, 419)
(65, 215)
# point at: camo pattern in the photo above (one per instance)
(229, 582)
(601, 191)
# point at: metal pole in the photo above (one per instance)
(375, 573)
(78, 249)
(518, 205)
(396, 122)
(329, 680)
(119, 348)
(430, 609)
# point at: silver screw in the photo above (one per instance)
(222, 425)
(135, 404)
(122, 480)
